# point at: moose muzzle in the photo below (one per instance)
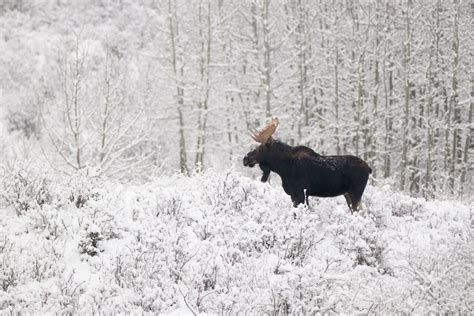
(248, 162)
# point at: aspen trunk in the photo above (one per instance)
(454, 105)
(406, 110)
(178, 73)
(336, 99)
(388, 94)
(204, 67)
(302, 46)
(374, 121)
(267, 57)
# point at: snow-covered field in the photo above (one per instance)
(222, 243)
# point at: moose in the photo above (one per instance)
(306, 173)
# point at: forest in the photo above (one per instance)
(150, 88)
(123, 130)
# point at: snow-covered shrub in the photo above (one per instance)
(221, 243)
(8, 276)
(24, 189)
(47, 222)
(143, 279)
(83, 186)
(89, 243)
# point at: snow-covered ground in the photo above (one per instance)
(223, 243)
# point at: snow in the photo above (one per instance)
(106, 87)
(220, 242)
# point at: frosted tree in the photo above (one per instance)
(178, 74)
(89, 121)
(408, 96)
(388, 81)
(69, 108)
(205, 35)
(388, 88)
(120, 127)
(301, 18)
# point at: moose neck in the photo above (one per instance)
(278, 159)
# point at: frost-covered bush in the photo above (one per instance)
(83, 186)
(89, 243)
(24, 189)
(221, 243)
(7, 272)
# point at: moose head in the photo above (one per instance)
(264, 137)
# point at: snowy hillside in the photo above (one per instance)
(222, 243)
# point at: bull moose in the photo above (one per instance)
(306, 173)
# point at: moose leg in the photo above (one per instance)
(266, 173)
(356, 193)
(294, 199)
(355, 205)
(349, 202)
(297, 198)
(305, 196)
(353, 200)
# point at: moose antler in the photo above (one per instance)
(266, 133)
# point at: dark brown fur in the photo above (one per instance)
(305, 173)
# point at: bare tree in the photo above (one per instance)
(69, 107)
(454, 105)
(90, 123)
(178, 72)
(388, 84)
(406, 107)
(205, 34)
(387, 81)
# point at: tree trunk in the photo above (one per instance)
(203, 103)
(454, 105)
(267, 50)
(406, 111)
(178, 74)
